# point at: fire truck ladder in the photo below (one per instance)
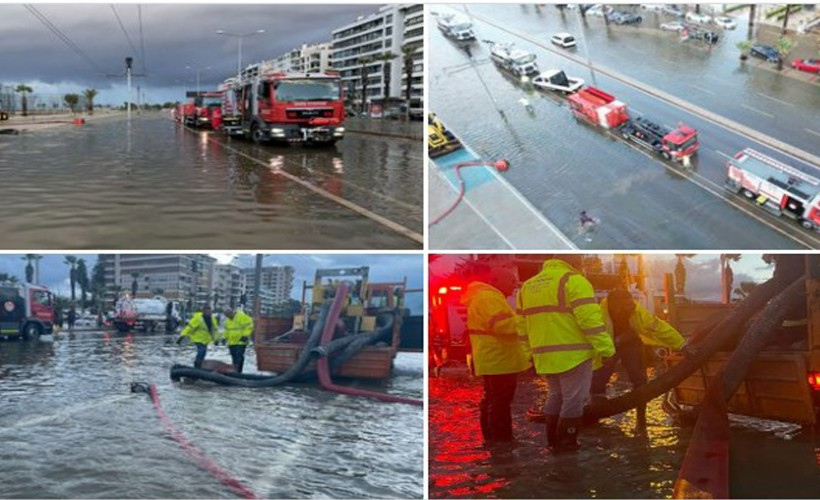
(790, 171)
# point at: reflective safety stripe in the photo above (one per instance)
(544, 309)
(499, 317)
(485, 332)
(561, 347)
(582, 302)
(524, 338)
(654, 325)
(562, 289)
(593, 331)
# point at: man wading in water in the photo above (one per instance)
(202, 330)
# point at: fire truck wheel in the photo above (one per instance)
(31, 330)
(748, 194)
(666, 155)
(256, 134)
(807, 224)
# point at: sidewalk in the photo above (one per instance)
(42, 122)
(391, 128)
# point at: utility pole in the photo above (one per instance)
(239, 37)
(257, 284)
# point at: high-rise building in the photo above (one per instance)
(229, 285)
(278, 280)
(187, 278)
(374, 45)
(309, 58)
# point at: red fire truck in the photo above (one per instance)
(779, 188)
(288, 107)
(603, 110)
(231, 116)
(25, 310)
(202, 109)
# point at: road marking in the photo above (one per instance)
(637, 51)
(812, 131)
(722, 80)
(702, 89)
(775, 99)
(757, 111)
(657, 71)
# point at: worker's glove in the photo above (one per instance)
(180, 339)
(245, 340)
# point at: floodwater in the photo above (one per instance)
(155, 184)
(768, 459)
(70, 427)
(563, 166)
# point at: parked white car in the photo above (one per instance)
(558, 81)
(726, 22)
(676, 26)
(657, 7)
(693, 17)
(671, 10)
(563, 40)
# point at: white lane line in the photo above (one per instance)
(757, 111)
(721, 80)
(775, 99)
(657, 71)
(702, 89)
(812, 131)
(637, 51)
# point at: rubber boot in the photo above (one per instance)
(551, 430)
(568, 431)
(484, 419)
(501, 423)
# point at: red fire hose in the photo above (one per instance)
(500, 165)
(323, 365)
(203, 461)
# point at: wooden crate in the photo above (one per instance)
(372, 362)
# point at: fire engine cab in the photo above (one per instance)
(603, 110)
(25, 310)
(779, 188)
(287, 107)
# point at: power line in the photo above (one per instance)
(62, 36)
(124, 31)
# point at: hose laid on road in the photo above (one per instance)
(189, 448)
(323, 365)
(500, 165)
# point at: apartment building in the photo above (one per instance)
(277, 280)
(309, 58)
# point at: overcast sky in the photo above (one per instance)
(54, 273)
(174, 36)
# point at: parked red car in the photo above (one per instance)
(808, 65)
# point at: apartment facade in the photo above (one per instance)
(368, 53)
(229, 286)
(277, 281)
(309, 58)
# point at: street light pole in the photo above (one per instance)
(239, 37)
(198, 72)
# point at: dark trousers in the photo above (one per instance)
(237, 356)
(631, 356)
(495, 407)
(201, 351)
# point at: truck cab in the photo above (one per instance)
(284, 107)
(208, 112)
(455, 28)
(25, 310)
(518, 62)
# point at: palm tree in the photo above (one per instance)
(72, 275)
(8, 278)
(752, 14)
(680, 272)
(89, 95)
(784, 46)
(97, 285)
(364, 61)
(407, 52)
(134, 284)
(727, 276)
(387, 68)
(71, 101)
(29, 258)
(786, 19)
(24, 90)
(82, 280)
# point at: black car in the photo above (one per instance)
(766, 52)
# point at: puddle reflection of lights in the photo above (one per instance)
(338, 165)
(277, 163)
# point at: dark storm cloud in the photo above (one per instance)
(53, 272)
(174, 35)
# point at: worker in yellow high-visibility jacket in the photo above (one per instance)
(238, 332)
(202, 329)
(568, 338)
(495, 347)
(631, 326)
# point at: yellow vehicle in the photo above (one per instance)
(783, 383)
(440, 140)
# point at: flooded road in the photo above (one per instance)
(768, 459)
(71, 428)
(155, 184)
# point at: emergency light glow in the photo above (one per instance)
(814, 380)
(442, 290)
